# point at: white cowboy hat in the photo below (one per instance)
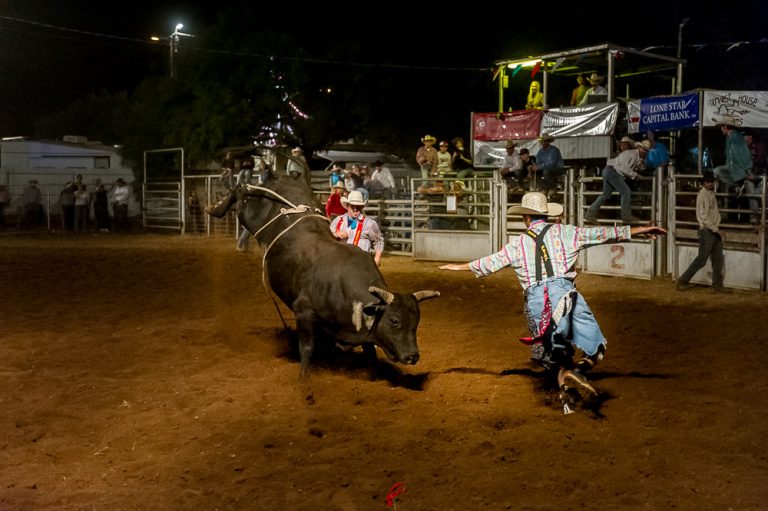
(338, 184)
(355, 198)
(594, 78)
(727, 120)
(645, 144)
(628, 140)
(535, 203)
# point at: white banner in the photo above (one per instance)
(633, 116)
(491, 154)
(749, 108)
(576, 121)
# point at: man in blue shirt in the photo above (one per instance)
(658, 154)
(550, 162)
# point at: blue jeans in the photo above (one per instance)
(728, 175)
(612, 180)
(580, 327)
(710, 245)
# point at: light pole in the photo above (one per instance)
(173, 47)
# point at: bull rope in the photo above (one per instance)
(294, 209)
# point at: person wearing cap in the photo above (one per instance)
(443, 159)
(336, 174)
(511, 168)
(355, 228)
(333, 206)
(710, 238)
(559, 318)
(426, 157)
(626, 165)
(118, 196)
(550, 162)
(738, 159)
(595, 89)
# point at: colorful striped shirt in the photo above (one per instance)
(563, 242)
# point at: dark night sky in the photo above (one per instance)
(43, 69)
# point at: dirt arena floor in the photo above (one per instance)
(148, 372)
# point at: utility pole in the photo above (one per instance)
(174, 47)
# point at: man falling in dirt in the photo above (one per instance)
(559, 318)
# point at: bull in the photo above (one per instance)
(335, 290)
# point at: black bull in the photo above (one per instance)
(335, 290)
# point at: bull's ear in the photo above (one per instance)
(425, 295)
(382, 294)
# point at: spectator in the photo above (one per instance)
(617, 170)
(194, 211)
(579, 92)
(333, 207)
(67, 201)
(119, 196)
(297, 163)
(758, 149)
(658, 154)
(626, 143)
(535, 100)
(5, 200)
(461, 163)
(710, 238)
(336, 174)
(550, 162)
(443, 159)
(101, 207)
(382, 184)
(560, 320)
(511, 168)
(355, 228)
(528, 163)
(595, 89)
(32, 204)
(738, 159)
(82, 205)
(247, 166)
(426, 157)
(353, 181)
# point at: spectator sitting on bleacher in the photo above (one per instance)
(333, 206)
(381, 184)
(353, 180)
(336, 175)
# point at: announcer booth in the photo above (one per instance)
(584, 134)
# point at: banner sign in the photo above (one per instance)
(596, 119)
(491, 154)
(667, 113)
(520, 124)
(633, 116)
(749, 108)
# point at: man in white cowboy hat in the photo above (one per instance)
(550, 162)
(738, 158)
(296, 163)
(595, 89)
(355, 228)
(119, 196)
(626, 165)
(559, 318)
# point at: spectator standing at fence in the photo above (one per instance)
(511, 168)
(101, 207)
(297, 163)
(67, 202)
(119, 196)
(426, 157)
(382, 184)
(710, 238)
(333, 206)
(443, 160)
(658, 154)
(738, 159)
(625, 166)
(558, 317)
(5, 201)
(758, 149)
(461, 162)
(550, 162)
(355, 228)
(82, 205)
(32, 204)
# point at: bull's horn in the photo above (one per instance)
(382, 294)
(425, 295)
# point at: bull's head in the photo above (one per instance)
(392, 321)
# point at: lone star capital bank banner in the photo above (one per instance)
(665, 113)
